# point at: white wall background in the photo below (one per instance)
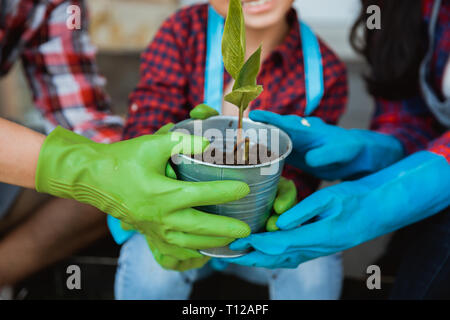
(332, 20)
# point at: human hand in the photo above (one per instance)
(353, 212)
(330, 152)
(128, 180)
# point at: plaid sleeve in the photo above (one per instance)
(62, 72)
(441, 146)
(410, 121)
(160, 96)
(334, 101)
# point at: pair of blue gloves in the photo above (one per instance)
(394, 193)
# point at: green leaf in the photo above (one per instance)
(242, 96)
(249, 72)
(233, 42)
(203, 112)
(245, 88)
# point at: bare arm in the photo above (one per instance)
(19, 153)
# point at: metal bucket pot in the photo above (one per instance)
(262, 179)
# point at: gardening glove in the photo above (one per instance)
(169, 256)
(172, 257)
(353, 212)
(127, 180)
(121, 231)
(286, 198)
(330, 152)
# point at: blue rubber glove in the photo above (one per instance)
(353, 212)
(330, 152)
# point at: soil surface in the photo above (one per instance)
(250, 155)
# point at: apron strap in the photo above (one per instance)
(214, 69)
(312, 60)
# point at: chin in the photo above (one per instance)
(262, 16)
(269, 13)
(262, 21)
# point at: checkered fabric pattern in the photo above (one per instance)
(172, 80)
(441, 146)
(59, 64)
(410, 120)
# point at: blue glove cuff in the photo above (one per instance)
(379, 151)
(408, 191)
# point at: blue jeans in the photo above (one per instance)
(424, 270)
(139, 277)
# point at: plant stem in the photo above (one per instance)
(247, 150)
(239, 132)
(240, 141)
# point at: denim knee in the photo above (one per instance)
(140, 277)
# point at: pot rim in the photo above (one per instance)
(239, 167)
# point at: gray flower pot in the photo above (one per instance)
(262, 179)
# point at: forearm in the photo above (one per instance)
(411, 190)
(19, 153)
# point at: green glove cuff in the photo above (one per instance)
(65, 160)
(60, 143)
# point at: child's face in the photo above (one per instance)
(259, 14)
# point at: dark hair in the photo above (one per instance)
(395, 51)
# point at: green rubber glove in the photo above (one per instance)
(128, 180)
(169, 256)
(172, 257)
(287, 192)
(285, 200)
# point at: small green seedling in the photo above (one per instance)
(244, 73)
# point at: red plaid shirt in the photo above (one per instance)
(172, 80)
(59, 64)
(410, 120)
